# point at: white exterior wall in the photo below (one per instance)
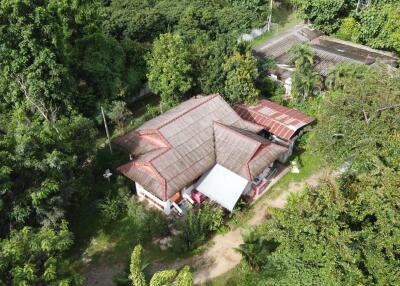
(162, 205)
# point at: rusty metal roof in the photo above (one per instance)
(279, 120)
(175, 148)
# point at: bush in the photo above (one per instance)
(110, 208)
(197, 226)
(150, 222)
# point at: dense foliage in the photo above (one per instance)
(374, 23)
(360, 120)
(32, 257)
(345, 231)
(305, 79)
(196, 227)
(337, 235)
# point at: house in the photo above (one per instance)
(201, 146)
(328, 52)
(282, 125)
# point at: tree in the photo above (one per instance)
(333, 234)
(304, 78)
(324, 14)
(242, 72)
(255, 248)
(100, 68)
(357, 126)
(37, 40)
(136, 271)
(349, 30)
(34, 257)
(380, 27)
(42, 165)
(161, 278)
(169, 69)
(118, 114)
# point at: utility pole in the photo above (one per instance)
(106, 127)
(270, 16)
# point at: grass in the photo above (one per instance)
(285, 20)
(233, 277)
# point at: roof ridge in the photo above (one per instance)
(189, 110)
(231, 128)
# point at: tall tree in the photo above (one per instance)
(357, 126)
(304, 79)
(37, 40)
(34, 257)
(169, 69)
(333, 234)
(241, 74)
(42, 166)
(324, 13)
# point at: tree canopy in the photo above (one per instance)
(344, 234)
(359, 121)
(374, 23)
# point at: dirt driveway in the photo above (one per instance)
(221, 256)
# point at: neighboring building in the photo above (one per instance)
(328, 52)
(201, 145)
(282, 125)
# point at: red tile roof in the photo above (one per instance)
(279, 120)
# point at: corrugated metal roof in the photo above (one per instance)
(328, 51)
(279, 120)
(183, 144)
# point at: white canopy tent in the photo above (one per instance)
(222, 185)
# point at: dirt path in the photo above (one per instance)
(101, 275)
(221, 256)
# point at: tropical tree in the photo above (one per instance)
(304, 79)
(357, 126)
(241, 74)
(161, 278)
(136, 268)
(255, 248)
(118, 114)
(302, 56)
(332, 234)
(34, 257)
(42, 163)
(36, 57)
(324, 14)
(169, 69)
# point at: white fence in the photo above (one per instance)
(256, 32)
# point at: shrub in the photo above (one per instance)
(110, 208)
(197, 225)
(150, 222)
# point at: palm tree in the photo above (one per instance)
(304, 83)
(304, 79)
(301, 56)
(255, 248)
